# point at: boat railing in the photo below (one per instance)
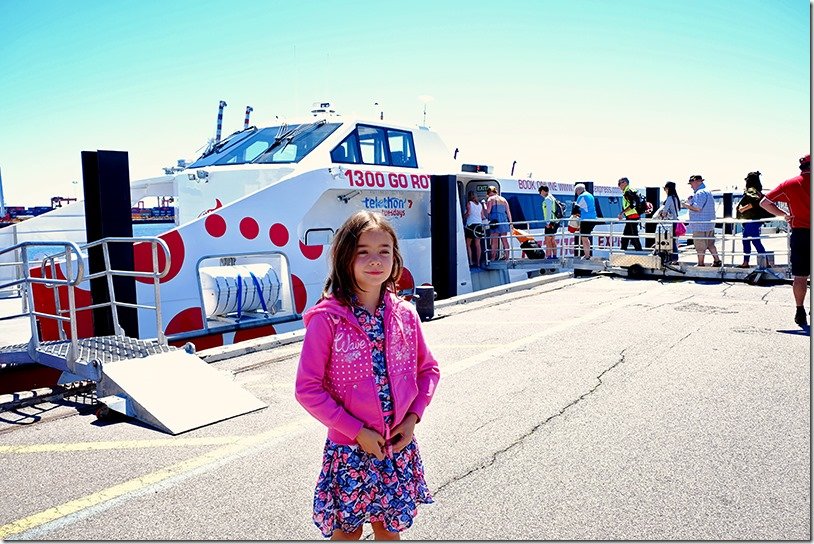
(109, 273)
(65, 270)
(73, 258)
(608, 234)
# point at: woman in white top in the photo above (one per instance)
(474, 214)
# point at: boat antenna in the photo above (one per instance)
(381, 111)
(249, 109)
(221, 105)
(455, 156)
(425, 98)
(513, 164)
(2, 202)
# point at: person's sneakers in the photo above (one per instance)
(800, 316)
(717, 264)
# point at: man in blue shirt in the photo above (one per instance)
(702, 220)
(587, 211)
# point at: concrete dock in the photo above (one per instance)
(583, 408)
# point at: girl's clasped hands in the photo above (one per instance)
(375, 444)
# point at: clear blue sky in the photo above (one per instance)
(654, 90)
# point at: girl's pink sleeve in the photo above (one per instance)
(428, 372)
(310, 390)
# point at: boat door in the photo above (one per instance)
(480, 186)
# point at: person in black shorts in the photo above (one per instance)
(549, 206)
(474, 214)
(796, 193)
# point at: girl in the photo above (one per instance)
(749, 208)
(500, 219)
(367, 374)
(669, 212)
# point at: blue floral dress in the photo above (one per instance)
(353, 486)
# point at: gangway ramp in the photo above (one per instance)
(166, 387)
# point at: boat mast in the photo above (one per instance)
(221, 105)
(249, 109)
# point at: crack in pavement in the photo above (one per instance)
(485, 424)
(683, 338)
(763, 298)
(671, 302)
(533, 430)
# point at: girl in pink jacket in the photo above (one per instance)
(367, 374)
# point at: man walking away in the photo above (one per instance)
(796, 192)
(629, 214)
(702, 220)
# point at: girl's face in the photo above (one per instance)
(373, 262)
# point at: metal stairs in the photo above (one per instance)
(145, 379)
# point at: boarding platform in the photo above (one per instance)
(166, 387)
(657, 260)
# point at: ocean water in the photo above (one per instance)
(140, 229)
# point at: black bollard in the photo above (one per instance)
(653, 196)
(727, 201)
(425, 301)
(106, 183)
(443, 224)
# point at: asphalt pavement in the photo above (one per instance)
(588, 408)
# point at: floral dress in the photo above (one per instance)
(353, 486)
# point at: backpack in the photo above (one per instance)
(559, 209)
(641, 204)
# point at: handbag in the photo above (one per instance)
(681, 229)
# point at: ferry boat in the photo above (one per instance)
(255, 215)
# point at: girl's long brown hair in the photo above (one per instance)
(341, 282)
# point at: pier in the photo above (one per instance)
(568, 408)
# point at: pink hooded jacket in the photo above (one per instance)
(335, 381)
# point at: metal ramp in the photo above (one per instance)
(162, 403)
(141, 378)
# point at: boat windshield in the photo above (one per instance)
(301, 139)
(295, 142)
(224, 147)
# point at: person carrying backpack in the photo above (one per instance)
(552, 212)
(749, 208)
(632, 202)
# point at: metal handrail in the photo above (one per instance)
(73, 256)
(611, 222)
(109, 272)
(70, 249)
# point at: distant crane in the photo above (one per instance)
(56, 201)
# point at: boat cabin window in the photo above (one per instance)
(226, 148)
(296, 142)
(376, 145)
(402, 152)
(372, 146)
(288, 143)
(347, 151)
